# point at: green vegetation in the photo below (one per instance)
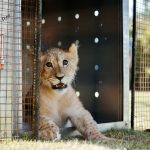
(142, 66)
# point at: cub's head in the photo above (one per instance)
(58, 67)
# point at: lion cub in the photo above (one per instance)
(58, 100)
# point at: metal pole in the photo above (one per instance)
(37, 53)
(133, 65)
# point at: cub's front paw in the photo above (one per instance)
(95, 136)
(98, 137)
(49, 131)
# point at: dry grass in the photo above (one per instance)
(128, 139)
(125, 139)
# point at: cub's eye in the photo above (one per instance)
(65, 62)
(49, 64)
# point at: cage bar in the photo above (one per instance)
(18, 34)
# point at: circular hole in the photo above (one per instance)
(78, 93)
(28, 23)
(43, 21)
(59, 19)
(77, 16)
(96, 67)
(96, 94)
(59, 43)
(28, 46)
(96, 40)
(96, 13)
(77, 42)
(77, 29)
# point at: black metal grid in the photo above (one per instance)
(18, 67)
(141, 56)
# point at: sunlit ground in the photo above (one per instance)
(125, 139)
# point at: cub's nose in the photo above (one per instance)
(59, 78)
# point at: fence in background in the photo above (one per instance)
(141, 70)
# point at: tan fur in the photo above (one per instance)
(59, 105)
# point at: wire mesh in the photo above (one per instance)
(18, 61)
(142, 66)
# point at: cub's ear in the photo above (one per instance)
(73, 49)
(42, 56)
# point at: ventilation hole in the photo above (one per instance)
(77, 16)
(43, 21)
(59, 19)
(28, 23)
(77, 42)
(96, 94)
(96, 13)
(59, 43)
(77, 29)
(27, 46)
(78, 93)
(96, 40)
(96, 67)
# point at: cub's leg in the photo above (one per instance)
(84, 123)
(48, 130)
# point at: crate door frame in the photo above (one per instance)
(125, 123)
